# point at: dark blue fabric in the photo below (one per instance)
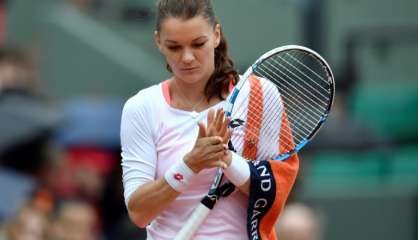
(262, 196)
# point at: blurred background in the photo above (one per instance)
(67, 66)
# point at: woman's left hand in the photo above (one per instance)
(218, 126)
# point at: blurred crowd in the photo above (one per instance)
(52, 187)
(59, 162)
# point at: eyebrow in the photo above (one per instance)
(194, 40)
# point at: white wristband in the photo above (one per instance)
(178, 176)
(238, 171)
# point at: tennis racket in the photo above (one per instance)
(276, 108)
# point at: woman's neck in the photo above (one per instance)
(189, 97)
(192, 92)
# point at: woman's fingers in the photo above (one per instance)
(215, 148)
(212, 140)
(211, 117)
(224, 128)
(223, 123)
(211, 146)
(227, 136)
(217, 123)
(217, 160)
(202, 130)
(219, 119)
(219, 164)
(207, 156)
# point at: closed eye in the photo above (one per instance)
(198, 45)
(174, 48)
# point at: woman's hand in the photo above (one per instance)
(210, 147)
(218, 126)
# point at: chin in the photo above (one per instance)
(191, 78)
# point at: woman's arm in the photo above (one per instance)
(206, 153)
(141, 205)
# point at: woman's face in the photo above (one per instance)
(189, 47)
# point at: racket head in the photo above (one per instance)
(296, 88)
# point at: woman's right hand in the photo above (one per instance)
(210, 148)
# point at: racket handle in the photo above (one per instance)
(193, 223)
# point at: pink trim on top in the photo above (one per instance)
(231, 86)
(166, 92)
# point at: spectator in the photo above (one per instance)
(26, 120)
(74, 220)
(30, 223)
(17, 71)
(298, 222)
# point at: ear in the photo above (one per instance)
(157, 40)
(217, 33)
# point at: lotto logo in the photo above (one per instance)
(178, 177)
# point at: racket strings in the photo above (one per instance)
(307, 112)
(299, 77)
(304, 90)
(272, 104)
(295, 85)
(298, 90)
(321, 89)
(320, 106)
(271, 125)
(275, 118)
(299, 86)
(250, 110)
(325, 81)
(319, 71)
(288, 87)
(303, 76)
(254, 120)
(270, 119)
(271, 149)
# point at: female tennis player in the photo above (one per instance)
(174, 136)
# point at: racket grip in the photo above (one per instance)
(193, 223)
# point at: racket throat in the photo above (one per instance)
(209, 201)
(214, 194)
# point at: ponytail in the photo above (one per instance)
(224, 74)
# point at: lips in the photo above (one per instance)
(189, 69)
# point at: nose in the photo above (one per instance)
(187, 56)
